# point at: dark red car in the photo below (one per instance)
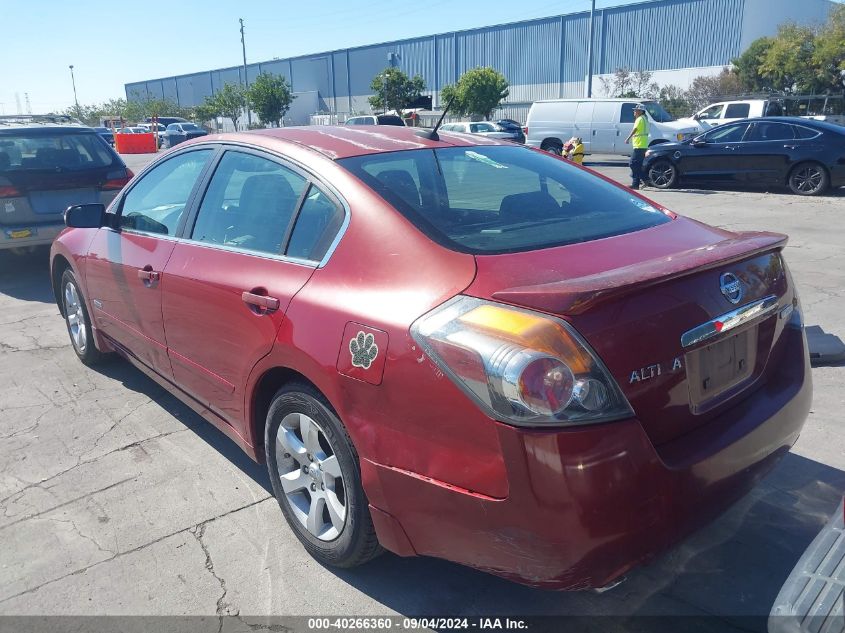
(459, 348)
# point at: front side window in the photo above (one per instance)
(249, 204)
(156, 202)
(727, 133)
(713, 112)
(498, 199)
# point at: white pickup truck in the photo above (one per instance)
(729, 111)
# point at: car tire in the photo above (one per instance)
(553, 147)
(322, 497)
(78, 321)
(662, 174)
(808, 179)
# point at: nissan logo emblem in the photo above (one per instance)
(731, 287)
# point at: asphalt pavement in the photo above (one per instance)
(117, 499)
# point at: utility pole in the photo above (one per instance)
(73, 81)
(246, 79)
(590, 53)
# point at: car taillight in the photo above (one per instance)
(525, 130)
(519, 366)
(7, 191)
(117, 180)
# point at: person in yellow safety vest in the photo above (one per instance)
(576, 150)
(639, 134)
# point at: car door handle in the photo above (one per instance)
(731, 147)
(790, 147)
(148, 274)
(262, 302)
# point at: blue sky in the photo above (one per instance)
(110, 44)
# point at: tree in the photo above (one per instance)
(674, 99)
(229, 102)
(271, 97)
(628, 84)
(788, 62)
(746, 67)
(707, 89)
(829, 53)
(206, 112)
(394, 90)
(477, 93)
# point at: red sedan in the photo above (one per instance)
(452, 347)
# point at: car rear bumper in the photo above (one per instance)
(38, 235)
(585, 505)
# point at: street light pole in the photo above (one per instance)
(590, 53)
(246, 79)
(73, 81)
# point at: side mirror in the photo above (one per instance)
(699, 142)
(697, 117)
(85, 216)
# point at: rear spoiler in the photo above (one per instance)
(575, 296)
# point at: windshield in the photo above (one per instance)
(501, 199)
(657, 112)
(53, 152)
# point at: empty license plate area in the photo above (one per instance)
(715, 369)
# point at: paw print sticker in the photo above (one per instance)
(364, 350)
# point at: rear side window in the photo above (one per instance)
(249, 204)
(155, 203)
(53, 152)
(737, 110)
(497, 199)
(318, 222)
(770, 131)
(805, 132)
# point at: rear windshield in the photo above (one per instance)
(53, 152)
(495, 199)
(189, 126)
(390, 119)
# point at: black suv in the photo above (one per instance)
(48, 163)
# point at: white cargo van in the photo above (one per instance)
(603, 124)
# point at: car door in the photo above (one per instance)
(715, 155)
(605, 131)
(125, 263)
(229, 282)
(584, 120)
(711, 115)
(766, 155)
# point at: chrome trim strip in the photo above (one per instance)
(729, 321)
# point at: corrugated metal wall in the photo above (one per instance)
(543, 58)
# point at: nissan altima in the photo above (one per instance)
(447, 345)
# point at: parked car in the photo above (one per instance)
(376, 119)
(167, 120)
(813, 595)
(133, 129)
(482, 128)
(180, 132)
(106, 134)
(46, 167)
(513, 126)
(806, 156)
(159, 129)
(603, 124)
(542, 374)
(730, 111)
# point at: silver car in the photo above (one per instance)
(482, 128)
(46, 165)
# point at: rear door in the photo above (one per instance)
(125, 263)
(768, 150)
(604, 137)
(258, 235)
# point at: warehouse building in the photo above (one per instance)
(543, 58)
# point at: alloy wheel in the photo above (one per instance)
(311, 476)
(662, 176)
(75, 316)
(807, 179)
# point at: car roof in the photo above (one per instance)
(796, 120)
(339, 141)
(17, 122)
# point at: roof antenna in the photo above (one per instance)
(432, 134)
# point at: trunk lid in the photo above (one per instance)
(633, 297)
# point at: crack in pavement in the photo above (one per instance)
(36, 515)
(222, 607)
(82, 570)
(76, 529)
(80, 462)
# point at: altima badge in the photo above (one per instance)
(731, 287)
(363, 349)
